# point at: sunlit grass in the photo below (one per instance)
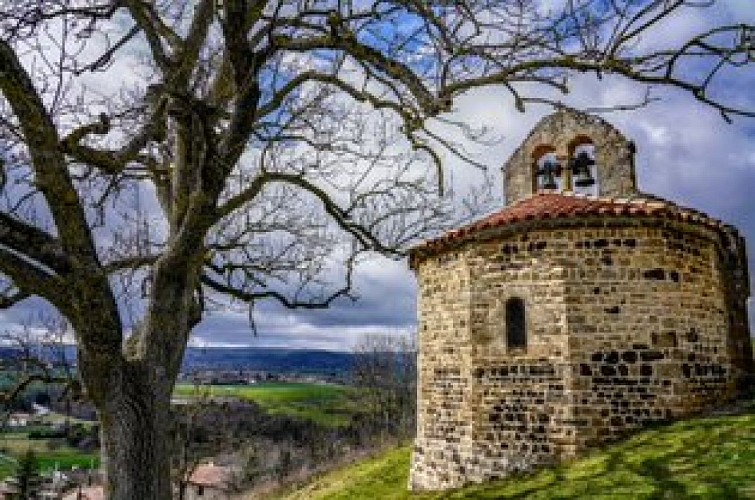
(325, 404)
(711, 458)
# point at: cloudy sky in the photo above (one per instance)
(686, 153)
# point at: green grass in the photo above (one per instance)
(711, 458)
(325, 404)
(68, 459)
(63, 457)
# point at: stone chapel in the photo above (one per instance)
(582, 310)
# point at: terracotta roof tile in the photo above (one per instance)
(549, 206)
(87, 493)
(211, 475)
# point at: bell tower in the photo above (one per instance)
(574, 152)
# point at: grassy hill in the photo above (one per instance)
(711, 457)
(326, 404)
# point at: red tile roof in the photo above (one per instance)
(87, 493)
(212, 476)
(552, 206)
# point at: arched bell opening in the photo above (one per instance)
(546, 170)
(583, 169)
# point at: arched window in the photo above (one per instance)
(516, 326)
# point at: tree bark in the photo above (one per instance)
(135, 440)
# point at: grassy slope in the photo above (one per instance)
(325, 404)
(706, 458)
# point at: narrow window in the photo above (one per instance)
(516, 329)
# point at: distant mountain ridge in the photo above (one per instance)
(267, 359)
(274, 360)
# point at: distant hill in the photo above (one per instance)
(273, 360)
(704, 458)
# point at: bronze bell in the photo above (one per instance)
(550, 169)
(580, 167)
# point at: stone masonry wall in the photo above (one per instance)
(521, 416)
(614, 154)
(444, 413)
(628, 322)
(648, 328)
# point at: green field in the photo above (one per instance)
(711, 458)
(49, 454)
(325, 404)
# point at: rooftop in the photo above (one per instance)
(544, 207)
(212, 476)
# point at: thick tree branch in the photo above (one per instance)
(31, 279)
(33, 243)
(8, 300)
(42, 140)
(115, 161)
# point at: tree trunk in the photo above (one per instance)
(135, 442)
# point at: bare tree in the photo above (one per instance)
(36, 357)
(385, 370)
(252, 149)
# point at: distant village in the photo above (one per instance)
(205, 377)
(204, 481)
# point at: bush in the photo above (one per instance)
(47, 434)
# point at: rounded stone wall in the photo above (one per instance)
(628, 320)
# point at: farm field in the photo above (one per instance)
(709, 458)
(50, 453)
(326, 404)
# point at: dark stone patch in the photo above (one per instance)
(607, 370)
(601, 243)
(612, 357)
(584, 370)
(629, 356)
(674, 276)
(630, 242)
(655, 274)
(692, 335)
(651, 355)
(606, 260)
(612, 310)
(596, 290)
(646, 370)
